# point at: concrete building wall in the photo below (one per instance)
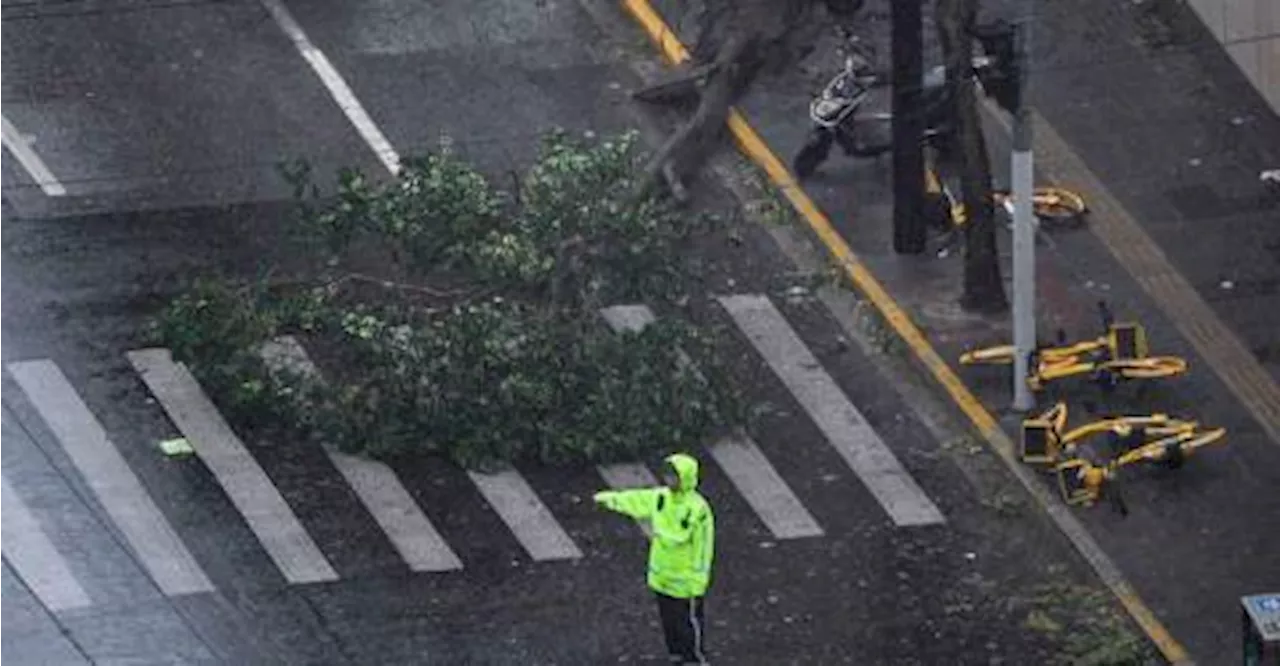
(1250, 31)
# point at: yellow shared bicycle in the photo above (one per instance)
(1045, 439)
(1052, 207)
(1083, 482)
(1151, 438)
(1120, 353)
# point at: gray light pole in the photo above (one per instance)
(1024, 232)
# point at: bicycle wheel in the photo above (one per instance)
(998, 355)
(1058, 208)
(1154, 367)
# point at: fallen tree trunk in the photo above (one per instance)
(738, 40)
(683, 83)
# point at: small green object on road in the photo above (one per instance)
(176, 448)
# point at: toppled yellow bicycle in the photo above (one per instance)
(1149, 439)
(1052, 208)
(1121, 353)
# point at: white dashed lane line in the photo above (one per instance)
(336, 85)
(21, 148)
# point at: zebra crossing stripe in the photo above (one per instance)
(507, 492)
(629, 318)
(34, 557)
(759, 483)
(739, 457)
(248, 487)
(376, 484)
(399, 516)
(119, 491)
(527, 517)
(841, 422)
(621, 476)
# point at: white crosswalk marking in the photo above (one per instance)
(740, 458)
(621, 476)
(630, 318)
(166, 558)
(416, 539)
(28, 158)
(376, 484)
(336, 85)
(527, 517)
(34, 557)
(779, 508)
(846, 429)
(249, 488)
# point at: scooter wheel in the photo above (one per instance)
(813, 153)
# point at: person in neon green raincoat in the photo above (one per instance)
(681, 550)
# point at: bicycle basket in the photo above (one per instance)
(1039, 442)
(1127, 341)
(1071, 482)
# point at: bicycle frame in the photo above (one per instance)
(1080, 481)
(1161, 450)
(1045, 439)
(1120, 353)
(1123, 341)
(1107, 372)
(1041, 198)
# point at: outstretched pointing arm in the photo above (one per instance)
(637, 503)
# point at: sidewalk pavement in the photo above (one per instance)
(1141, 111)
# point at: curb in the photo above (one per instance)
(987, 426)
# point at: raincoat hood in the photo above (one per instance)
(686, 468)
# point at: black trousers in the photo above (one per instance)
(684, 626)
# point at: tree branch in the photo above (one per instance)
(746, 37)
(388, 284)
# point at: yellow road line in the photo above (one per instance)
(754, 147)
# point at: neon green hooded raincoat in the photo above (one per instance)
(683, 543)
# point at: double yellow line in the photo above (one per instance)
(754, 147)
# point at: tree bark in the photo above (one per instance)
(983, 284)
(739, 39)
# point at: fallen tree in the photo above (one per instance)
(453, 319)
(738, 41)
(741, 40)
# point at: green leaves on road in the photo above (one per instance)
(1083, 625)
(512, 363)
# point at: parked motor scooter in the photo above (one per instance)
(834, 116)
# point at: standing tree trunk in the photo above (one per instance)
(983, 285)
(909, 226)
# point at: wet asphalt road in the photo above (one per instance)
(165, 122)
